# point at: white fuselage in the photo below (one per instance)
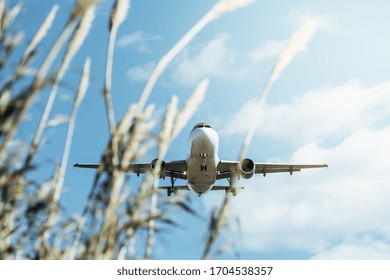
(202, 159)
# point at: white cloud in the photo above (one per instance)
(301, 16)
(138, 41)
(140, 73)
(325, 113)
(268, 50)
(314, 208)
(337, 213)
(297, 43)
(364, 248)
(213, 59)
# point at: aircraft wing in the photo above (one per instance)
(264, 168)
(175, 169)
(138, 168)
(227, 168)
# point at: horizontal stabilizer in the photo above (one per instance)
(224, 188)
(80, 165)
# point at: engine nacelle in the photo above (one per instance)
(247, 168)
(162, 168)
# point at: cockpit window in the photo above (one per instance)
(201, 125)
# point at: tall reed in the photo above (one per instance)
(116, 214)
(296, 44)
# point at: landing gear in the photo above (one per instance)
(203, 165)
(172, 189)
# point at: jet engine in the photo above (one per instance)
(153, 165)
(247, 168)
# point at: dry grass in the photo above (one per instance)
(116, 218)
(296, 44)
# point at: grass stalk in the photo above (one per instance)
(76, 41)
(36, 86)
(59, 179)
(115, 219)
(173, 123)
(118, 15)
(214, 13)
(296, 44)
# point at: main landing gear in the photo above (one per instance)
(172, 190)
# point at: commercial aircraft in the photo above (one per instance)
(203, 168)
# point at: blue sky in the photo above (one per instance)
(330, 105)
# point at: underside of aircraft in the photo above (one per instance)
(203, 168)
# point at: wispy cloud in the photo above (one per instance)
(355, 248)
(321, 114)
(221, 7)
(140, 73)
(139, 41)
(300, 16)
(212, 59)
(296, 44)
(297, 17)
(266, 51)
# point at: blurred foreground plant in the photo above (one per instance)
(33, 224)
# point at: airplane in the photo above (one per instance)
(203, 168)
